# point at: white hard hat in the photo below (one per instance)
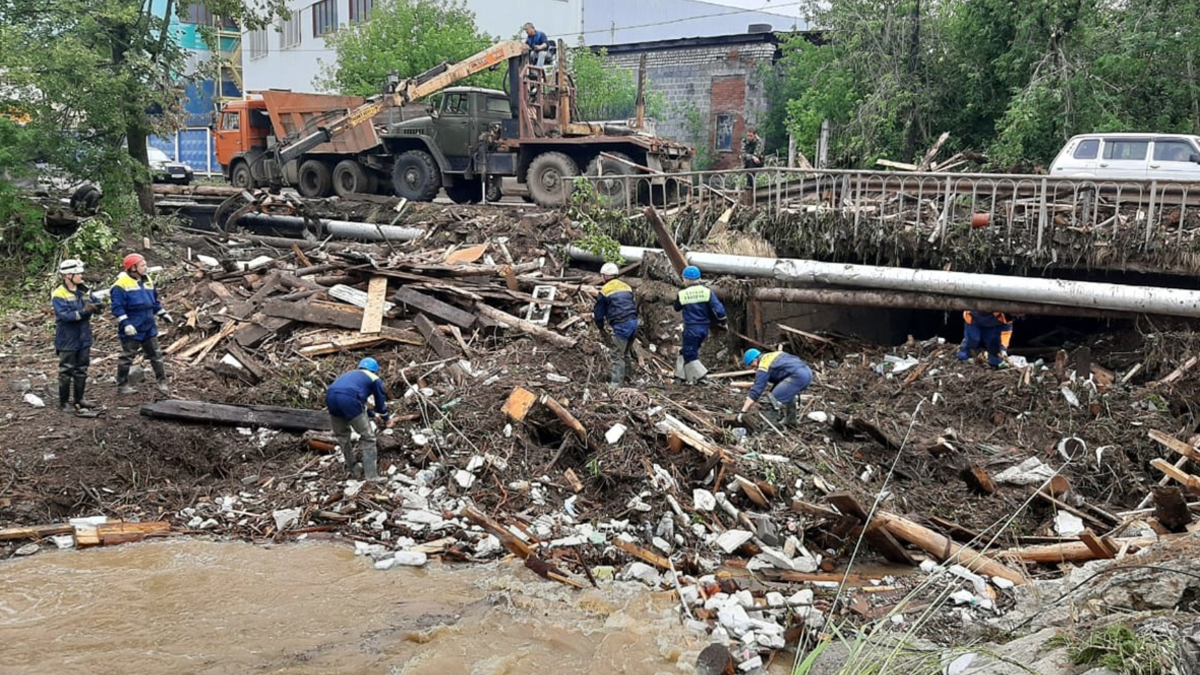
(70, 266)
(610, 270)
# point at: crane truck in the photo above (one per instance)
(325, 144)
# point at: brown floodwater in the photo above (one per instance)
(195, 606)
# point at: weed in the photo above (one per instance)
(1118, 647)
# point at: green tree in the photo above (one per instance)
(97, 79)
(604, 92)
(404, 38)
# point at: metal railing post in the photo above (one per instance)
(1042, 214)
(1150, 212)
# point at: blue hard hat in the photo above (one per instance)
(369, 364)
(750, 355)
(691, 273)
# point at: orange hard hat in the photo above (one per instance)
(132, 260)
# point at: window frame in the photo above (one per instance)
(1114, 142)
(487, 106)
(228, 115)
(198, 15)
(327, 11)
(717, 146)
(290, 28)
(1095, 150)
(464, 97)
(1191, 149)
(258, 44)
(360, 10)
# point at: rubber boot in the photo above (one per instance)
(695, 372)
(64, 395)
(618, 370)
(790, 412)
(80, 401)
(348, 455)
(771, 415)
(370, 464)
(679, 374)
(162, 387)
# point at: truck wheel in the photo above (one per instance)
(612, 191)
(349, 177)
(464, 191)
(314, 179)
(550, 175)
(415, 176)
(241, 176)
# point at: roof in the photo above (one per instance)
(474, 90)
(693, 42)
(1131, 134)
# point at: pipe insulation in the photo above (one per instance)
(341, 229)
(1088, 294)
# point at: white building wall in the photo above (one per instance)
(296, 67)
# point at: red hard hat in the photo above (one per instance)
(132, 260)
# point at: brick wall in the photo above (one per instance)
(713, 80)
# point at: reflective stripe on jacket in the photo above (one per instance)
(773, 368)
(987, 319)
(73, 323)
(614, 303)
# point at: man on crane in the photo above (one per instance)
(539, 44)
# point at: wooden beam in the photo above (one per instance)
(1184, 478)
(35, 531)
(434, 307)
(433, 338)
(665, 241)
(923, 165)
(1176, 445)
(945, 550)
(519, 403)
(271, 417)
(671, 426)
(896, 165)
(1177, 373)
(251, 364)
(510, 541)
(642, 554)
(524, 326)
(567, 418)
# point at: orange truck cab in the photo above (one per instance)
(247, 131)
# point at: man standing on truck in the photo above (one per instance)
(136, 306)
(752, 158)
(539, 45)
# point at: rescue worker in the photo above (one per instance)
(787, 373)
(135, 304)
(74, 306)
(616, 305)
(752, 158)
(990, 330)
(539, 45)
(347, 400)
(700, 307)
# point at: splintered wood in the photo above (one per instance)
(372, 321)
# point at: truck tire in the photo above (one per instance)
(314, 179)
(495, 191)
(612, 192)
(241, 176)
(349, 177)
(550, 175)
(415, 176)
(464, 191)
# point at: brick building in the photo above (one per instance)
(713, 87)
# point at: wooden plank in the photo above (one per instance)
(671, 426)
(510, 541)
(945, 550)
(642, 554)
(1177, 373)
(519, 402)
(433, 338)
(35, 532)
(805, 334)
(896, 165)
(352, 296)
(1175, 444)
(923, 165)
(251, 364)
(271, 417)
(111, 534)
(218, 289)
(1189, 481)
(260, 328)
(1097, 546)
(434, 307)
(372, 321)
(301, 259)
(573, 480)
(887, 545)
(467, 255)
(487, 311)
(342, 342)
(316, 312)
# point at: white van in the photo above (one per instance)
(1166, 157)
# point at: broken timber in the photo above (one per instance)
(434, 307)
(271, 417)
(673, 428)
(524, 326)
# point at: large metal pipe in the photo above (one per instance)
(928, 301)
(1095, 295)
(342, 229)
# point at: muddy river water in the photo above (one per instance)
(193, 606)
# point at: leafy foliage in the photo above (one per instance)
(405, 38)
(607, 93)
(598, 222)
(22, 236)
(1013, 77)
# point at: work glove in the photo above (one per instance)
(129, 330)
(166, 316)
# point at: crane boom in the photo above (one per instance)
(406, 91)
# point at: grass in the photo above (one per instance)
(1121, 649)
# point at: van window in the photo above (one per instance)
(1177, 150)
(1131, 150)
(1087, 149)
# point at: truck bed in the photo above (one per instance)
(301, 113)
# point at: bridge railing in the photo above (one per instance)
(1023, 211)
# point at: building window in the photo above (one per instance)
(257, 41)
(325, 18)
(360, 10)
(198, 14)
(289, 32)
(723, 139)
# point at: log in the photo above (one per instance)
(923, 165)
(1171, 509)
(903, 166)
(944, 549)
(1177, 373)
(510, 541)
(933, 301)
(271, 417)
(567, 418)
(434, 307)
(35, 532)
(1076, 551)
(532, 329)
(433, 338)
(197, 190)
(665, 240)
(875, 533)
(642, 554)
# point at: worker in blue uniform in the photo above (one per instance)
(701, 308)
(615, 304)
(990, 330)
(347, 401)
(74, 306)
(538, 43)
(787, 373)
(137, 308)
